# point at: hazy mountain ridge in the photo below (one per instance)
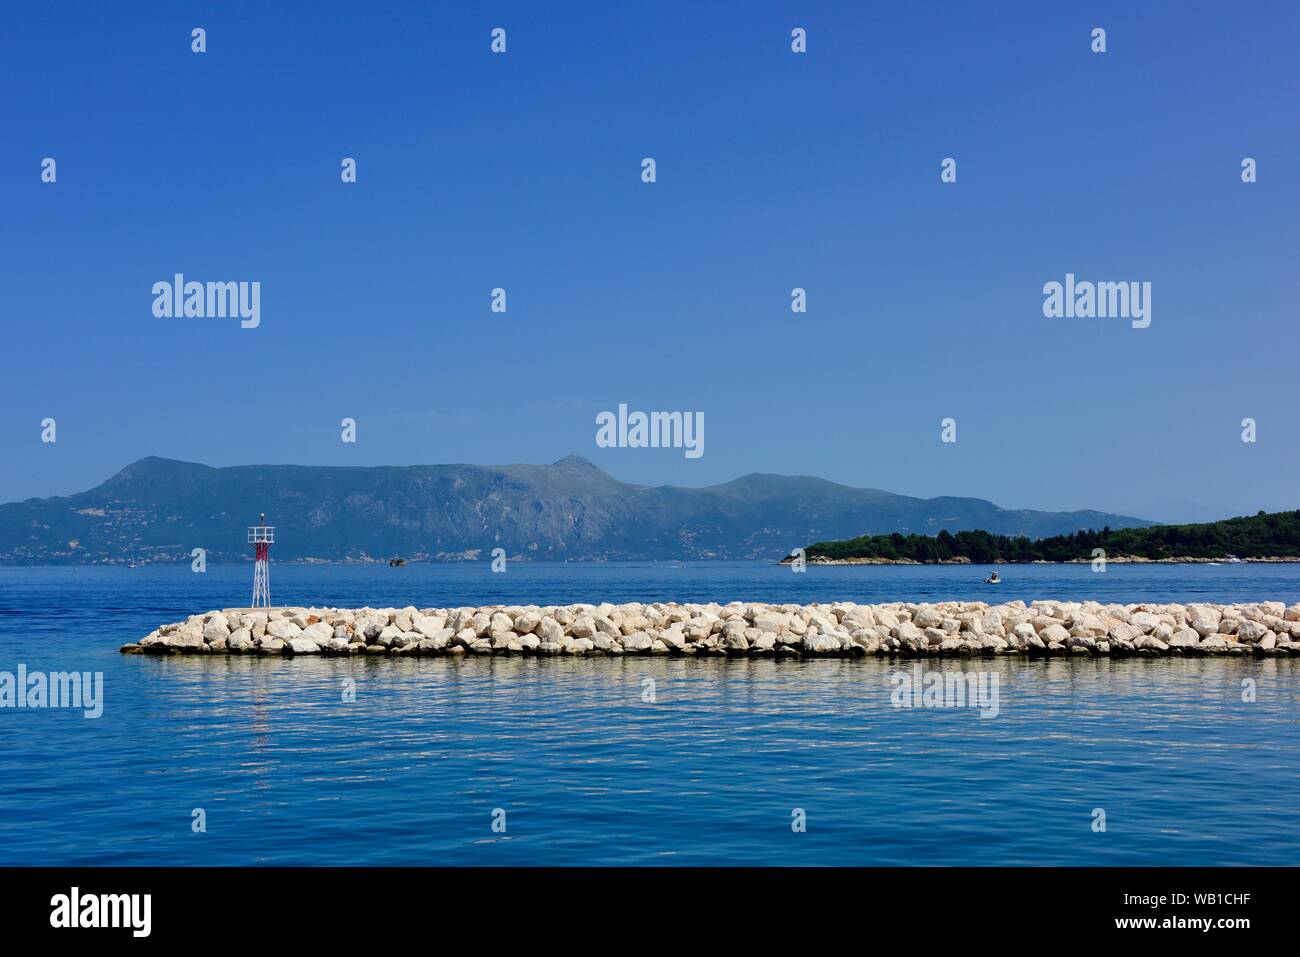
(160, 509)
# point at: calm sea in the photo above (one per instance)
(584, 769)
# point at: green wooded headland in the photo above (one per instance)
(1265, 535)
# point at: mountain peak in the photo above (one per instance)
(575, 461)
(152, 466)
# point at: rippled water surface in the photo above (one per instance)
(588, 771)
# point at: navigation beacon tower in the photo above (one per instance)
(262, 537)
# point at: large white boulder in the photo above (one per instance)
(283, 628)
(216, 628)
(637, 641)
(319, 633)
(430, 626)
(818, 644)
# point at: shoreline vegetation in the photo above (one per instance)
(744, 629)
(1110, 560)
(1267, 537)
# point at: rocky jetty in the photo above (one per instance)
(952, 629)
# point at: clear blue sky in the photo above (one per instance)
(775, 170)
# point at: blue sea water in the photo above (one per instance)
(589, 772)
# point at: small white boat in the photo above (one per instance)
(1232, 560)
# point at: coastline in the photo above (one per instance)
(787, 560)
(1110, 560)
(839, 629)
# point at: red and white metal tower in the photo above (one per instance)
(262, 537)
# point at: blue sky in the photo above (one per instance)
(775, 170)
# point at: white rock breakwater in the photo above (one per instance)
(955, 629)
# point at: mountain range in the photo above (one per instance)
(158, 510)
